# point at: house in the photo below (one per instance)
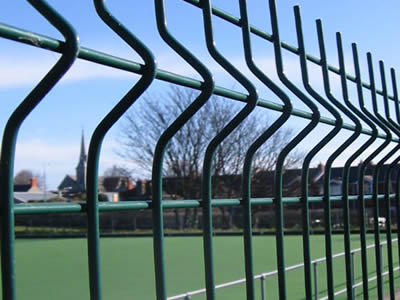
(115, 188)
(24, 193)
(32, 187)
(229, 186)
(292, 180)
(139, 191)
(115, 184)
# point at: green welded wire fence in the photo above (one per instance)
(374, 123)
(264, 276)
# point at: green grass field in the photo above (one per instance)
(57, 269)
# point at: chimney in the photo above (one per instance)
(34, 183)
(130, 184)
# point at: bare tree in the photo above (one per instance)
(183, 161)
(24, 177)
(117, 171)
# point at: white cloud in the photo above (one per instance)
(54, 159)
(18, 72)
(22, 71)
(36, 149)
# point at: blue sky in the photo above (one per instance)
(49, 138)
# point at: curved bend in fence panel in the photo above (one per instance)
(166, 136)
(387, 185)
(379, 126)
(10, 134)
(396, 189)
(362, 169)
(273, 128)
(149, 71)
(335, 130)
(216, 141)
(278, 183)
(378, 120)
(346, 169)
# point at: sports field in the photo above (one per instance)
(57, 268)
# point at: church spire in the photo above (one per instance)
(81, 167)
(82, 155)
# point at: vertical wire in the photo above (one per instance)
(327, 176)
(215, 142)
(361, 173)
(149, 71)
(313, 152)
(69, 54)
(378, 254)
(333, 156)
(397, 188)
(280, 164)
(387, 186)
(167, 135)
(346, 172)
(246, 191)
(376, 152)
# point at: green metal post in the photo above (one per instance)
(215, 142)
(397, 188)
(346, 171)
(98, 135)
(313, 152)
(327, 176)
(166, 136)
(388, 175)
(362, 171)
(10, 135)
(279, 167)
(378, 252)
(246, 194)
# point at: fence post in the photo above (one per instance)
(187, 297)
(262, 279)
(382, 259)
(352, 271)
(315, 264)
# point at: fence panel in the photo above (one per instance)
(346, 116)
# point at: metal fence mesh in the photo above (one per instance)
(351, 116)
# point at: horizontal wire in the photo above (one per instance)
(56, 208)
(266, 36)
(264, 276)
(48, 43)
